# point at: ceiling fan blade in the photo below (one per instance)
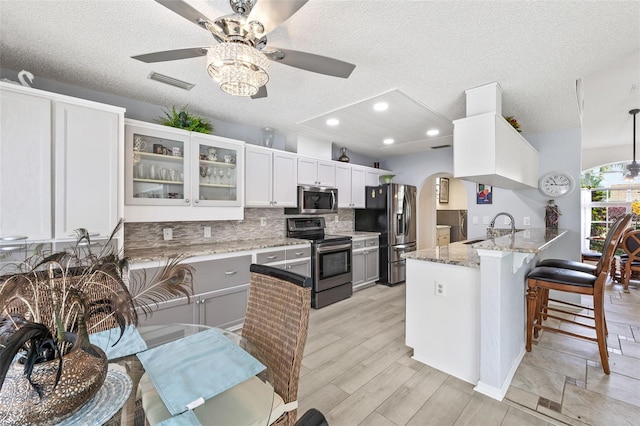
(262, 93)
(310, 62)
(271, 13)
(185, 10)
(172, 55)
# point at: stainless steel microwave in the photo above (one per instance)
(316, 200)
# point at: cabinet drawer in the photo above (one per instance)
(271, 256)
(371, 242)
(358, 244)
(20, 251)
(298, 253)
(221, 273)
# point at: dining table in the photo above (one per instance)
(248, 403)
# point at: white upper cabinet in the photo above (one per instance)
(350, 181)
(196, 176)
(25, 165)
(270, 178)
(285, 170)
(316, 172)
(75, 141)
(86, 169)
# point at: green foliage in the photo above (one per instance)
(182, 119)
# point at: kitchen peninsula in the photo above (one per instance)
(465, 306)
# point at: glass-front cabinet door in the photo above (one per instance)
(218, 169)
(156, 171)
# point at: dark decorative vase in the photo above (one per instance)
(83, 373)
(551, 216)
(344, 157)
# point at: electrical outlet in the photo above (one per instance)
(207, 232)
(336, 218)
(167, 233)
(485, 220)
(527, 221)
(441, 289)
(263, 221)
(475, 220)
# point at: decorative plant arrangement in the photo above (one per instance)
(47, 313)
(512, 120)
(182, 119)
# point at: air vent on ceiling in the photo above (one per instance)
(440, 146)
(171, 81)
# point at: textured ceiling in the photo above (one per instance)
(431, 51)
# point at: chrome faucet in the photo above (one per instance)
(513, 222)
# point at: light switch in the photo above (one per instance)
(485, 220)
(475, 220)
(527, 221)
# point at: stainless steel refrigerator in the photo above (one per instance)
(390, 210)
(457, 220)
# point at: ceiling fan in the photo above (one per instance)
(239, 61)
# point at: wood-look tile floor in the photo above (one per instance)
(357, 371)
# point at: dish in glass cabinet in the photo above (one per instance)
(13, 238)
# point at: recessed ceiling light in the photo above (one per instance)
(333, 122)
(388, 141)
(433, 132)
(381, 106)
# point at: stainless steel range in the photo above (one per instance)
(330, 260)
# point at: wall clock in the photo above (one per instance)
(556, 184)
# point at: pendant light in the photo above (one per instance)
(633, 169)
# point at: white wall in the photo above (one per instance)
(558, 151)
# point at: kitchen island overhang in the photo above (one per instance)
(466, 310)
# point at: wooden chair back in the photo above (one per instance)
(611, 243)
(276, 322)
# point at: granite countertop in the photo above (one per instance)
(357, 234)
(451, 254)
(526, 241)
(173, 249)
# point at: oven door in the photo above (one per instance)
(332, 265)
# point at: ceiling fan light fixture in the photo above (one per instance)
(633, 169)
(239, 69)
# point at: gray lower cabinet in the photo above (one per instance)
(220, 294)
(364, 262)
(357, 267)
(295, 259)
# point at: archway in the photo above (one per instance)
(427, 204)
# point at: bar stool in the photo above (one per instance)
(544, 278)
(631, 264)
(588, 267)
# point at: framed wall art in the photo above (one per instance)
(443, 196)
(484, 195)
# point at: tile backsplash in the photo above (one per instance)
(149, 234)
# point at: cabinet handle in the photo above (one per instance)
(197, 200)
(358, 245)
(275, 202)
(300, 253)
(275, 256)
(231, 272)
(186, 200)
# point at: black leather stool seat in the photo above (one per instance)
(569, 264)
(562, 276)
(591, 255)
